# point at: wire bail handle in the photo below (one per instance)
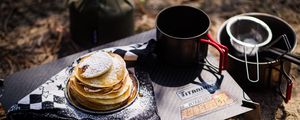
(257, 66)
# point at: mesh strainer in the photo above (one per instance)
(247, 35)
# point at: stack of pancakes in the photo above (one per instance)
(101, 82)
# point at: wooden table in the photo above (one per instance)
(21, 83)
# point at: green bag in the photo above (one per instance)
(95, 22)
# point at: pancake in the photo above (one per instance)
(99, 91)
(94, 65)
(91, 105)
(97, 101)
(112, 77)
(89, 88)
(125, 85)
(98, 85)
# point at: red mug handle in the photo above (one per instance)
(288, 91)
(223, 50)
(289, 86)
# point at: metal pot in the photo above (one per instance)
(273, 73)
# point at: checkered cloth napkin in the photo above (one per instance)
(49, 101)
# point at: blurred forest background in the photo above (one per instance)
(35, 32)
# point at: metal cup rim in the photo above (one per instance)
(182, 38)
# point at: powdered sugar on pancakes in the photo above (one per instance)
(95, 65)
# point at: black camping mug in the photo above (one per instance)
(182, 37)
